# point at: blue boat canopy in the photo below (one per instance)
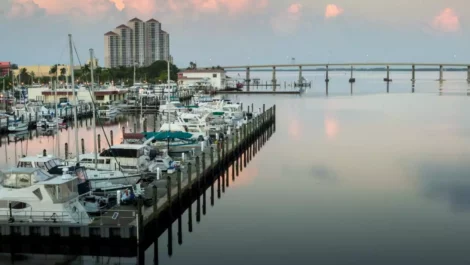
(160, 136)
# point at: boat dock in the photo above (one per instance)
(137, 226)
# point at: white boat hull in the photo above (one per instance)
(18, 127)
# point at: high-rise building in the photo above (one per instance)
(111, 49)
(125, 44)
(137, 42)
(153, 46)
(166, 45)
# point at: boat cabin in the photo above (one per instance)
(43, 162)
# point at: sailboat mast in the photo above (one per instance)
(75, 119)
(93, 108)
(55, 111)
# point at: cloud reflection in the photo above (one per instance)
(447, 182)
(331, 127)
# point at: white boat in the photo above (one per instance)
(107, 111)
(128, 158)
(18, 127)
(48, 121)
(31, 195)
(98, 178)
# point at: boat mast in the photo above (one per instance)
(75, 120)
(55, 111)
(93, 109)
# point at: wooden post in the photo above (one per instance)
(135, 127)
(66, 151)
(140, 221)
(178, 179)
(168, 190)
(44, 153)
(145, 125)
(83, 146)
(197, 170)
(212, 156)
(155, 201)
(189, 176)
(111, 135)
(203, 155)
(99, 143)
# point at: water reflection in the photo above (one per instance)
(447, 182)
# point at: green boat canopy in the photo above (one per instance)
(160, 136)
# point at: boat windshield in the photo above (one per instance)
(17, 179)
(53, 163)
(61, 193)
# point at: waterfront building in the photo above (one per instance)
(5, 68)
(111, 49)
(154, 49)
(137, 43)
(166, 46)
(215, 78)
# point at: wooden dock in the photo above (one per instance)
(131, 226)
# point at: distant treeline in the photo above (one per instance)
(355, 69)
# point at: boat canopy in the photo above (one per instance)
(160, 136)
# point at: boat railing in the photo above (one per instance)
(112, 216)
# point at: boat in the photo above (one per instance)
(173, 141)
(107, 111)
(18, 127)
(97, 178)
(32, 195)
(49, 121)
(128, 158)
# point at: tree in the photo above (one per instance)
(63, 72)
(163, 77)
(5, 83)
(53, 70)
(98, 73)
(24, 76)
(33, 75)
(85, 71)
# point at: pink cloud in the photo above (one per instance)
(23, 8)
(119, 4)
(333, 11)
(287, 21)
(447, 21)
(206, 5)
(294, 8)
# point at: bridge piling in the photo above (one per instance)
(327, 79)
(413, 73)
(352, 79)
(441, 73)
(247, 80)
(274, 79)
(300, 74)
(387, 79)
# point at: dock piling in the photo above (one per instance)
(413, 73)
(99, 143)
(66, 147)
(83, 146)
(274, 79)
(468, 73)
(441, 73)
(111, 136)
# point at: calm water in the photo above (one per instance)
(372, 178)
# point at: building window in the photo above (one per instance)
(214, 75)
(99, 97)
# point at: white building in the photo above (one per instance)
(125, 44)
(216, 78)
(166, 46)
(111, 49)
(138, 40)
(153, 47)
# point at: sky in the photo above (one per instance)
(242, 32)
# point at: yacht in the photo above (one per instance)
(107, 111)
(98, 178)
(32, 195)
(128, 158)
(18, 126)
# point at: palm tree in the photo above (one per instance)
(85, 70)
(63, 71)
(33, 75)
(53, 70)
(98, 72)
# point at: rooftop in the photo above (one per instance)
(135, 20)
(110, 33)
(122, 26)
(153, 20)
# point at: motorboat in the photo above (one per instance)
(49, 121)
(32, 195)
(97, 178)
(18, 127)
(107, 111)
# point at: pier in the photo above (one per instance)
(135, 227)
